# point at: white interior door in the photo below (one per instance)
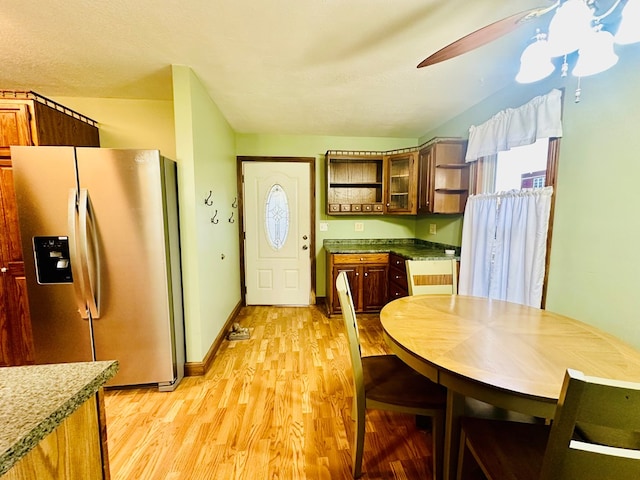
(277, 232)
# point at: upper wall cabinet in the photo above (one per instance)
(354, 183)
(443, 184)
(432, 178)
(400, 187)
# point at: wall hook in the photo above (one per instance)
(235, 203)
(231, 219)
(214, 219)
(207, 201)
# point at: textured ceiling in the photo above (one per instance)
(325, 67)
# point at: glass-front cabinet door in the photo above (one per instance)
(400, 192)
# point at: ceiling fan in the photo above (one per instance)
(485, 35)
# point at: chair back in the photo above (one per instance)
(596, 430)
(432, 277)
(350, 322)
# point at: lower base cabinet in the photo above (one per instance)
(368, 280)
(397, 277)
(76, 449)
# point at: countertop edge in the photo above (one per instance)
(23, 446)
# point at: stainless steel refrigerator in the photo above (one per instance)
(100, 240)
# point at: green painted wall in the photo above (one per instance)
(127, 123)
(206, 152)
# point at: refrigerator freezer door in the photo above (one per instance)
(43, 177)
(128, 202)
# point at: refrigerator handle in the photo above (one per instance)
(90, 253)
(74, 255)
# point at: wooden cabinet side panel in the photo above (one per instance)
(72, 450)
(54, 127)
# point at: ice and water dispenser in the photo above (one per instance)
(52, 260)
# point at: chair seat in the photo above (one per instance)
(388, 379)
(520, 458)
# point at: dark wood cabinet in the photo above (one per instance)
(400, 183)
(26, 118)
(431, 178)
(397, 277)
(368, 280)
(354, 183)
(443, 177)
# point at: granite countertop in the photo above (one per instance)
(409, 248)
(35, 399)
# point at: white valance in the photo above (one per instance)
(514, 127)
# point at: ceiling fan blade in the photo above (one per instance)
(484, 35)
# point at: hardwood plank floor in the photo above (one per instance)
(276, 406)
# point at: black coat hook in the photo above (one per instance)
(214, 219)
(207, 200)
(235, 203)
(231, 219)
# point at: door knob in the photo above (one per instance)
(304, 237)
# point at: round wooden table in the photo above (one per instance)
(508, 355)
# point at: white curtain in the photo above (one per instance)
(541, 117)
(504, 244)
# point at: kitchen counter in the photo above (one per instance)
(408, 248)
(36, 399)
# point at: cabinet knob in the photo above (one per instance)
(3, 270)
(305, 247)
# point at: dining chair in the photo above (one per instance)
(595, 435)
(385, 382)
(432, 276)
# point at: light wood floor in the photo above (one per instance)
(277, 406)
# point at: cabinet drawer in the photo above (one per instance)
(398, 277)
(398, 262)
(355, 258)
(396, 291)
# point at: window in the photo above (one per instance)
(534, 164)
(276, 217)
(520, 167)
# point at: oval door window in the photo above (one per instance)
(276, 217)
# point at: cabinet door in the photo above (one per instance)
(374, 287)
(354, 273)
(14, 127)
(16, 344)
(400, 184)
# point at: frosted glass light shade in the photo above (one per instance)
(596, 54)
(535, 63)
(570, 24)
(629, 30)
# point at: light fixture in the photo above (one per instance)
(576, 26)
(535, 61)
(568, 27)
(596, 54)
(629, 30)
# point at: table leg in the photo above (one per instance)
(455, 409)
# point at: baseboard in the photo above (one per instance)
(195, 369)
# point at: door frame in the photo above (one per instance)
(240, 160)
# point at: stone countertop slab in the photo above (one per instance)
(411, 249)
(35, 399)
